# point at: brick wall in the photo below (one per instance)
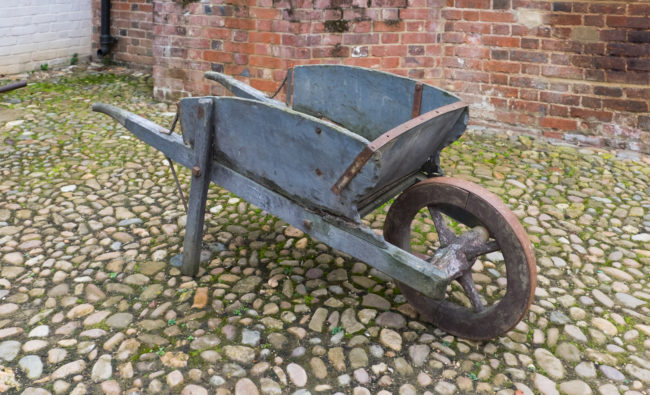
(575, 70)
(39, 32)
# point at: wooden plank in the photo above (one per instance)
(292, 153)
(368, 102)
(200, 114)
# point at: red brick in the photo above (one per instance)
(500, 29)
(452, 14)
(331, 52)
(418, 38)
(475, 76)
(638, 64)
(591, 102)
(496, 16)
(505, 91)
(607, 9)
(390, 38)
(499, 103)
(453, 37)
(484, 4)
(498, 79)
(389, 63)
(527, 82)
(472, 52)
(503, 67)
(644, 123)
(559, 111)
(217, 56)
(564, 20)
(529, 94)
(388, 50)
(561, 6)
(384, 26)
(529, 56)
(553, 135)
(558, 123)
(472, 27)
(502, 41)
(608, 91)
(414, 13)
(528, 106)
(362, 62)
(638, 93)
(237, 23)
(559, 98)
(265, 13)
(628, 77)
(265, 37)
(389, 3)
(470, 15)
(626, 105)
(562, 72)
(594, 20)
(266, 62)
(583, 113)
(609, 63)
(360, 38)
(561, 46)
(530, 69)
(630, 50)
(628, 22)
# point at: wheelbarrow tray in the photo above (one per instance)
(350, 139)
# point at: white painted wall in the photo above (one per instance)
(35, 32)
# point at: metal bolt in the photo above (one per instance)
(196, 171)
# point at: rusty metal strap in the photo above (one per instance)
(417, 100)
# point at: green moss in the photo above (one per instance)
(337, 26)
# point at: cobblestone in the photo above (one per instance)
(89, 219)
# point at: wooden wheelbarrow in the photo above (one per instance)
(346, 141)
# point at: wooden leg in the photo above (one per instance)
(201, 111)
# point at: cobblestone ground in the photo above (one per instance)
(89, 219)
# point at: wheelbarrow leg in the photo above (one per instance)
(202, 120)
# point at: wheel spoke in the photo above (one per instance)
(445, 235)
(482, 249)
(467, 282)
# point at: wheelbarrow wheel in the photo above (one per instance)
(479, 305)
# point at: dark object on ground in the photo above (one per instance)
(12, 86)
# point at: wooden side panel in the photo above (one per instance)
(368, 102)
(291, 153)
(406, 152)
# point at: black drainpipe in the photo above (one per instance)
(105, 38)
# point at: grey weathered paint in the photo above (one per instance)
(199, 116)
(295, 154)
(287, 162)
(369, 102)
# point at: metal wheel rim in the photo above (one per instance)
(475, 204)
